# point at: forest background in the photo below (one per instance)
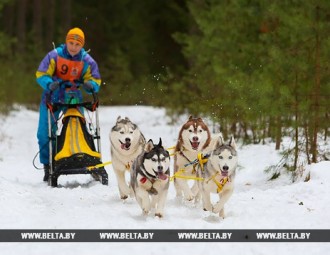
(260, 69)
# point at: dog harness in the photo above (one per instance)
(200, 161)
(152, 190)
(182, 154)
(220, 184)
(148, 177)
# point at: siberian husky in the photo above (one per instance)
(218, 175)
(194, 137)
(127, 143)
(150, 178)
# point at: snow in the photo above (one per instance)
(79, 202)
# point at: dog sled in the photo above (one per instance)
(72, 138)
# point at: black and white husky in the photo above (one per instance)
(150, 178)
(127, 142)
(218, 175)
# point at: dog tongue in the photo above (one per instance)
(162, 176)
(195, 145)
(125, 146)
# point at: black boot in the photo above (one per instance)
(46, 169)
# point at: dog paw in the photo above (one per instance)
(123, 197)
(145, 211)
(159, 215)
(216, 209)
(197, 200)
(208, 208)
(222, 214)
(189, 197)
(178, 197)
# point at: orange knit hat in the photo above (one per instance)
(77, 35)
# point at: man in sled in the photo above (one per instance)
(69, 62)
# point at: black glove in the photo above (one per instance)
(88, 86)
(53, 85)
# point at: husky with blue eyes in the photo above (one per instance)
(217, 175)
(150, 178)
(127, 142)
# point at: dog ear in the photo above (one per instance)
(232, 142)
(118, 119)
(149, 146)
(142, 139)
(219, 142)
(190, 117)
(160, 142)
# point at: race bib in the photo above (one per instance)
(68, 70)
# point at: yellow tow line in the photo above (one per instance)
(171, 148)
(201, 162)
(177, 175)
(90, 168)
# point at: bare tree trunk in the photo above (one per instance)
(37, 23)
(8, 18)
(327, 120)
(65, 16)
(264, 131)
(296, 147)
(316, 92)
(21, 25)
(270, 128)
(50, 23)
(278, 134)
(307, 142)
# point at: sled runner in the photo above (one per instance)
(72, 139)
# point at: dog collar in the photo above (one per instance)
(143, 180)
(146, 174)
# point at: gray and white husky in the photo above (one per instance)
(218, 175)
(127, 142)
(150, 178)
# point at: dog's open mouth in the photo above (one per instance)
(125, 146)
(162, 176)
(224, 173)
(194, 145)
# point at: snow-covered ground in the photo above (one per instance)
(81, 203)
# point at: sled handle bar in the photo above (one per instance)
(91, 106)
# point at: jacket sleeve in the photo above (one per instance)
(46, 70)
(91, 73)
